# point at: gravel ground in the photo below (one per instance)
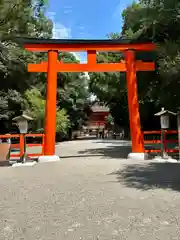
(90, 194)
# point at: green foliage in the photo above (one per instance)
(35, 106)
(110, 120)
(9, 101)
(159, 22)
(24, 18)
(62, 121)
(18, 18)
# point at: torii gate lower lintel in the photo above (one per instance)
(130, 65)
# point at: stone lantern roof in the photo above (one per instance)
(22, 117)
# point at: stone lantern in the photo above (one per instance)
(22, 123)
(164, 121)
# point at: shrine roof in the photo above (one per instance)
(98, 108)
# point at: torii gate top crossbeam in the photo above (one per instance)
(34, 44)
(91, 47)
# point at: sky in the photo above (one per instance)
(86, 19)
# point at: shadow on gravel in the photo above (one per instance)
(108, 151)
(149, 176)
(81, 156)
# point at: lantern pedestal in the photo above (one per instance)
(46, 159)
(137, 156)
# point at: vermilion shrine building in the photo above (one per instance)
(97, 117)
(130, 65)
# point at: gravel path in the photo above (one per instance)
(90, 194)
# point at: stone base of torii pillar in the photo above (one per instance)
(137, 156)
(46, 159)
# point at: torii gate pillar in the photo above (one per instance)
(133, 105)
(51, 92)
(50, 113)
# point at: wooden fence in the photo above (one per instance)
(17, 144)
(153, 142)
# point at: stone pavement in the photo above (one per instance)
(92, 193)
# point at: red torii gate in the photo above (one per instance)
(130, 65)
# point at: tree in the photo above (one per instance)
(35, 106)
(110, 121)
